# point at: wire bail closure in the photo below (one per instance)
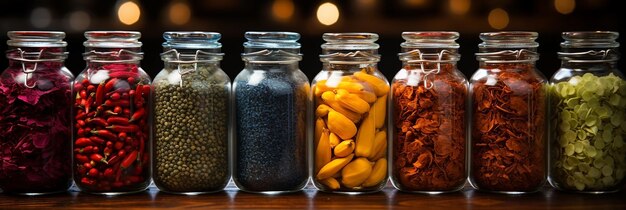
(604, 53)
(37, 58)
(193, 61)
(428, 84)
(532, 56)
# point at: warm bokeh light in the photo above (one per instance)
(459, 7)
(128, 13)
(79, 20)
(41, 17)
(498, 18)
(282, 10)
(327, 13)
(415, 3)
(564, 6)
(179, 13)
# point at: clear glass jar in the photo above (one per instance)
(350, 102)
(508, 111)
(191, 115)
(270, 98)
(112, 109)
(429, 118)
(588, 112)
(35, 101)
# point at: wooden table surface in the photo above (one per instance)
(311, 199)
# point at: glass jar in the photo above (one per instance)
(588, 113)
(112, 109)
(270, 98)
(191, 115)
(429, 118)
(350, 102)
(35, 98)
(508, 106)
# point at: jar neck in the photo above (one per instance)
(505, 66)
(440, 67)
(36, 58)
(588, 66)
(588, 58)
(283, 66)
(348, 67)
(441, 60)
(113, 66)
(176, 65)
(103, 56)
(491, 58)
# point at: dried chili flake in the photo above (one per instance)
(508, 132)
(429, 133)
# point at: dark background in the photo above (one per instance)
(388, 18)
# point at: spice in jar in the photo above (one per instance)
(191, 130)
(35, 100)
(111, 130)
(429, 138)
(271, 132)
(508, 136)
(429, 117)
(590, 127)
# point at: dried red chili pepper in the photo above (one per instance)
(100, 94)
(104, 133)
(97, 122)
(124, 128)
(87, 104)
(115, 96)
(83, 142)
(81, 158)
(128, 161)
(122, 103)
(97, 140)
(429, 137)
(98, 158)
(117, 120)
(138, 114)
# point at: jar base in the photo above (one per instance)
(114, 193)
(349, 193)
(595, 192)
(269, 192)
(190, 193)
(36, 193)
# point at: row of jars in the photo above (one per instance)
(126, 129)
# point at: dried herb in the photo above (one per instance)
(588, 151)
(508, 132)
(34, 129)
(430, 131)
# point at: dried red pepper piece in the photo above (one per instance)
(429, 138)
(508, 132)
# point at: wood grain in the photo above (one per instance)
(312, 199)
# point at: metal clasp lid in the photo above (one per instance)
(521, 55)
(198, 57)
(607, 55)
(134, 56)
(417, 53)
(34, 57)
